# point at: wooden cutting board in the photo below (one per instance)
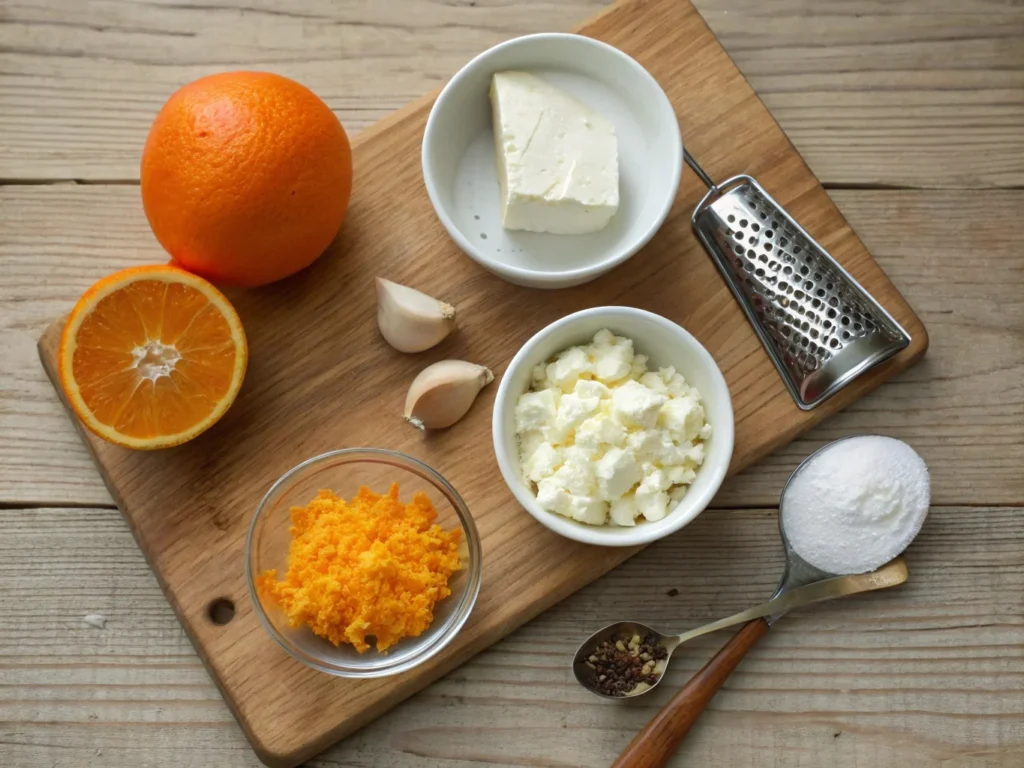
(321, 378)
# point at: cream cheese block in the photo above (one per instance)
(557, 160)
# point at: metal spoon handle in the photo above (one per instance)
(660, 738)
(887, 576)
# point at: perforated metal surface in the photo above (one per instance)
(819, 325)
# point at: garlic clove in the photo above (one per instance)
(444, 392)
(409, 320)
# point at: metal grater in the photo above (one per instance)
(820, 327)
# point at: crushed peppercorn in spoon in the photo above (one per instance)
(624, 663)
(638, 677)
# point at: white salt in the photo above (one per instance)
(857, 504)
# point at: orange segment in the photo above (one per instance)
(152, 356)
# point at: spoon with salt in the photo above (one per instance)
(898, 480)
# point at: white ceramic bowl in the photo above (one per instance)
(665, 343)
(461, 179)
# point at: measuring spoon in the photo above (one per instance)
(785, 600)
(659, 739)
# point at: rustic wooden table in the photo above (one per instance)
(912, 114)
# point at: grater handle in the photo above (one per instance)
(715, 191)
(699, 171)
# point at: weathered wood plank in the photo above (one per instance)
(962, 408)
(927, 94)
(314, 383)
(905, 92)
(927, 674)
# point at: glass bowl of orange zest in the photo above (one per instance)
(363, 562)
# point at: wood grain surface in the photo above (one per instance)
(905, 92)
(320, 378)
(910, 93)
(926, 675)
(962, 407)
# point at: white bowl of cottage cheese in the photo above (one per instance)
(551, 159)
(613, 426)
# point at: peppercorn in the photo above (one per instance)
(623, 662)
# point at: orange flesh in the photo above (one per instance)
(153, 358)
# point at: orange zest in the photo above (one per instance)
(371, 567)
(151, 357)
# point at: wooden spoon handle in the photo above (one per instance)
(660, 738)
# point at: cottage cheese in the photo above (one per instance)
(603, 440)
(557, 160)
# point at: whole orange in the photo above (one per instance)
(246, 177)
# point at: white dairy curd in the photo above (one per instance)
(557, 160)
(603, 440)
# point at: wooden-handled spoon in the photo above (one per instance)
(653, 746)
(660, 738)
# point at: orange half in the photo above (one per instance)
(152, 357)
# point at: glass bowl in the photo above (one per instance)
(343, 472)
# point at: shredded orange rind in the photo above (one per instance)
(371, 567)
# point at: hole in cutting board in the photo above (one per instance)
(221, 611)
